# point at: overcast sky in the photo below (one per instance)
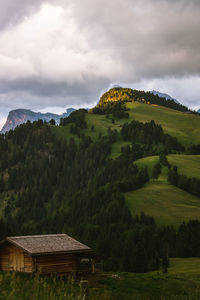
(58, 53)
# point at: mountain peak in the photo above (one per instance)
(21, 115)
(163, 95)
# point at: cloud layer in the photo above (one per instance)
(60, 53)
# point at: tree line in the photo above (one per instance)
(190, 185)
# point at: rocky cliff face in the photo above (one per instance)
(19, 116)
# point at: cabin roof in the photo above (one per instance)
(48, 244)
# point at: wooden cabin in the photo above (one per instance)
(46, 254)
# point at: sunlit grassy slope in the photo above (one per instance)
(184, 126)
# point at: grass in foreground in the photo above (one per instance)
(182, 282)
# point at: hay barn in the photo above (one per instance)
(46, 254)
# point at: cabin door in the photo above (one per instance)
(16, 260)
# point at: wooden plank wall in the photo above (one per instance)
(63, 263)
(28, 263)
(15, 259)
(4, 259)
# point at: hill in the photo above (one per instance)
(167, 203)
(75, 178)
(185, 127)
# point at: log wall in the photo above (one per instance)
(64, 263)
(4, 259)
(15, 259)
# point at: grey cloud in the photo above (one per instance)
(44, 88)
(152, 38)
(13, 11)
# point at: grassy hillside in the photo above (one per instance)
(184, 126)
(166, 203)
(188, 165)
(148, 162)
(100, 123)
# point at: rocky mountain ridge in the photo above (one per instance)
(20, 116)
(163, 95)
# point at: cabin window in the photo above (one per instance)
(84, 260)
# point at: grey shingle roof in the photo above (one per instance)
(48, 244)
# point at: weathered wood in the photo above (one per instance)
(62, 263)
(13, 258)
(4, 258)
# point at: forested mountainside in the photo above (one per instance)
(73, 178)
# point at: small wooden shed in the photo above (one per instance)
(46, 254)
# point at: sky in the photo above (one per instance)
(56, 54)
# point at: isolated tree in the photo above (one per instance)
(52, 122)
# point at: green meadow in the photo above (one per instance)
(185, 127)
(168, 204)
(188, 165)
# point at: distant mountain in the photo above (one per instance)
(198, 110)
(163, 95)
(19, 116)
